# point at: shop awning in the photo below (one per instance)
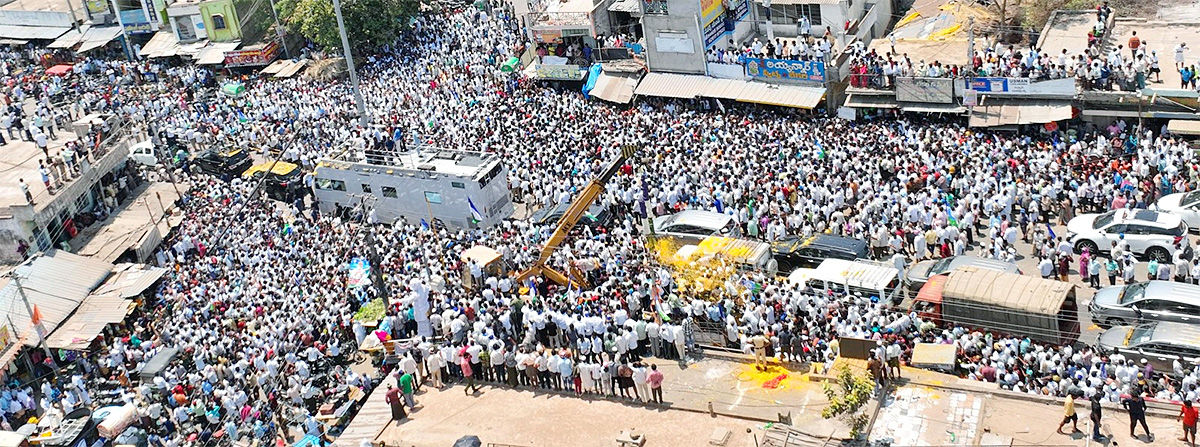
(98, 36)
(163, 44)
(13, 42)
(1183, 127)
(871, 101)
(67, 40)
(932, 108)
(94, 313)
(275, 66)
(32, 32)
(292, 68)
(1023, 112)
(670, 85)
(782, 95)
(615, 87)
(56, 283)
(724, 88)
(130, 280)
(215, 53)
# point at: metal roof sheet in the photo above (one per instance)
(94, 313)
(615, 87)
(130, 280)
(98, 36)
(56, 282)
(1007, 290)
(31, 32)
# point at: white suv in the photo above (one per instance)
(1149, 233)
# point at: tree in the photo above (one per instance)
(847, 398)
(369, 23)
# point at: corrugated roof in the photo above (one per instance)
(1002, 113)
(670, 85)
(130, 280)
(94, 313)
(782, 95)
(163, 44)
(615, 87)
(56, 282)
(98, 36)
(32, 32)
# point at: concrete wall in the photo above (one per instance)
(682, 17)
(225, 8)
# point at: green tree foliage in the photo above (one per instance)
(847, 397)
(369, 23)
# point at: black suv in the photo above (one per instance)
(285, 181)
(795, 252)
(224, 163)
(597, 215)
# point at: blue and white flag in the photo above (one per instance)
(475, 214)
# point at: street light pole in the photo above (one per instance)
(358, 98)
(280, 32)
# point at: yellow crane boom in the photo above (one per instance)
(578, 207)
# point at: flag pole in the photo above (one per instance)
(37, 322)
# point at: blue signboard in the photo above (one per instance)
(997, 85)
(135, 21)
(741, 10)
(813, 71)
(713, 32)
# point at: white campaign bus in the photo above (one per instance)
(870, 278)
(435, 185)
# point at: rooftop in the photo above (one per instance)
(428, 160)
(20, 161)
(45, 5)
(1161, 37)
(1067, 30)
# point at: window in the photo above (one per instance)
(433, 197)
(458, 185)
(1118, 228)
(790, 14)
(389, 191)
(218, 21)
(330, 185)
(366, 188)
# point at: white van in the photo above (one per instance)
(144, 153)
(869, 278)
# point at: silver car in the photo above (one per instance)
(1146, 301)
(919, 274)
(1160, 344)
(692, 226)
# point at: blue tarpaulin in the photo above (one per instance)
(593, 73)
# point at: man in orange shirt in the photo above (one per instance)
(1187, 414)
(1134, 43)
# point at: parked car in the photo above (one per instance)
(920, 272)
(284, 181)
(808, 252)
(692, 226)
(1148, 233)
(1146, 301)
(145, 154)
(1184, 204)
(1159, 343)
(597, 215)
(224, 163)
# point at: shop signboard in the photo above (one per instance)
(96, 6)
(710, 21)
(925, 90)
(248, 58)
(1022, 86)
(135, 21)
(811, 71)
(568, 72)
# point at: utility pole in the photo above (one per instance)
(280, 31)
(358, 97)
(971, 40)
(41, 330)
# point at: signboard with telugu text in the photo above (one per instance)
(812, 71)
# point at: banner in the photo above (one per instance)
(812, 71)
(560, 72)
(246, 58)
(358, 273)
(926, 90)
(136, 22)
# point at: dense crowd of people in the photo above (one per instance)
(257, 299)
